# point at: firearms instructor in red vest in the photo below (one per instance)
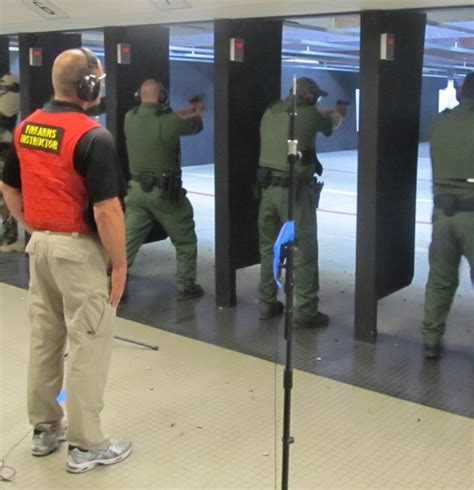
(62, 181)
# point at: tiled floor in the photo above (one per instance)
(205, 417)
(209, 421)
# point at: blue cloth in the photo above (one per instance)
(62, 396)
(287, 234)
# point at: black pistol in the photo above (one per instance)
(196, 98)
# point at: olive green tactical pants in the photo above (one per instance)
(68, 302)
(143, 209)
(272, 214)
(9, 224)
(452, 237)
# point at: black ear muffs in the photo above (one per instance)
(163, 97)
(88, 88)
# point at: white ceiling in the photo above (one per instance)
(22, 16)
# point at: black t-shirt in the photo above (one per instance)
(95, 159)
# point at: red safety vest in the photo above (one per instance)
(54, 194)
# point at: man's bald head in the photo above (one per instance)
(69, 68)
(150, 91)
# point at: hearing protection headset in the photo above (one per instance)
(162, 96)
(88, 88)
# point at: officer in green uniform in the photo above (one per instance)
(273, 180)
(452, 156)
(9, 108)
(152, 133)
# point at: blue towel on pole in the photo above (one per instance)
(287, 234)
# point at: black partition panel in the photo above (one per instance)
(4, 55)
(36, 85)
(388, 151)
(243, 89)
(149, 58)
(148, 50)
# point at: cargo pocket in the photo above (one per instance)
(31, 245)
(98, 317)
(31, 251)
(67, 253)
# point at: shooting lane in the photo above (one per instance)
(132, 54)
(244, 86)
(391, 64)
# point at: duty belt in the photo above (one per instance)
(451, 204)
(283, 181)
(170, 184)
(266, 178)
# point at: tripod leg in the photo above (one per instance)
(143, 344)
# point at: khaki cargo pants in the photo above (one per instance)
(68, 301)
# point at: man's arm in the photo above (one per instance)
(14, 201)
(189, 119)
(109, 217)
(96, 160)
(337, 114)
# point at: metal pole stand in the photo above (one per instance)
(289, 250)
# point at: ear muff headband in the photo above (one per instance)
(162, 97)
(88, 88)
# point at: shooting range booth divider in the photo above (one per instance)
(388, 153)
(132, 55)
(243, 90)
(4, 55)
(36, 83)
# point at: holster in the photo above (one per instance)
(146, 181)
(256, 193)
(264, 177)
(309, 157)
(448, 203)
(317, 189)
(171, 185)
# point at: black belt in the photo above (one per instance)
(266, 178)
(279, 181)
(451, 204)
(283, 181)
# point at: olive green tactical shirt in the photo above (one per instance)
(152, 138)
(452, 150)
(274, 132)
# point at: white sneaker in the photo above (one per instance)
(79, 461)
(18, 246)
(47, 438)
